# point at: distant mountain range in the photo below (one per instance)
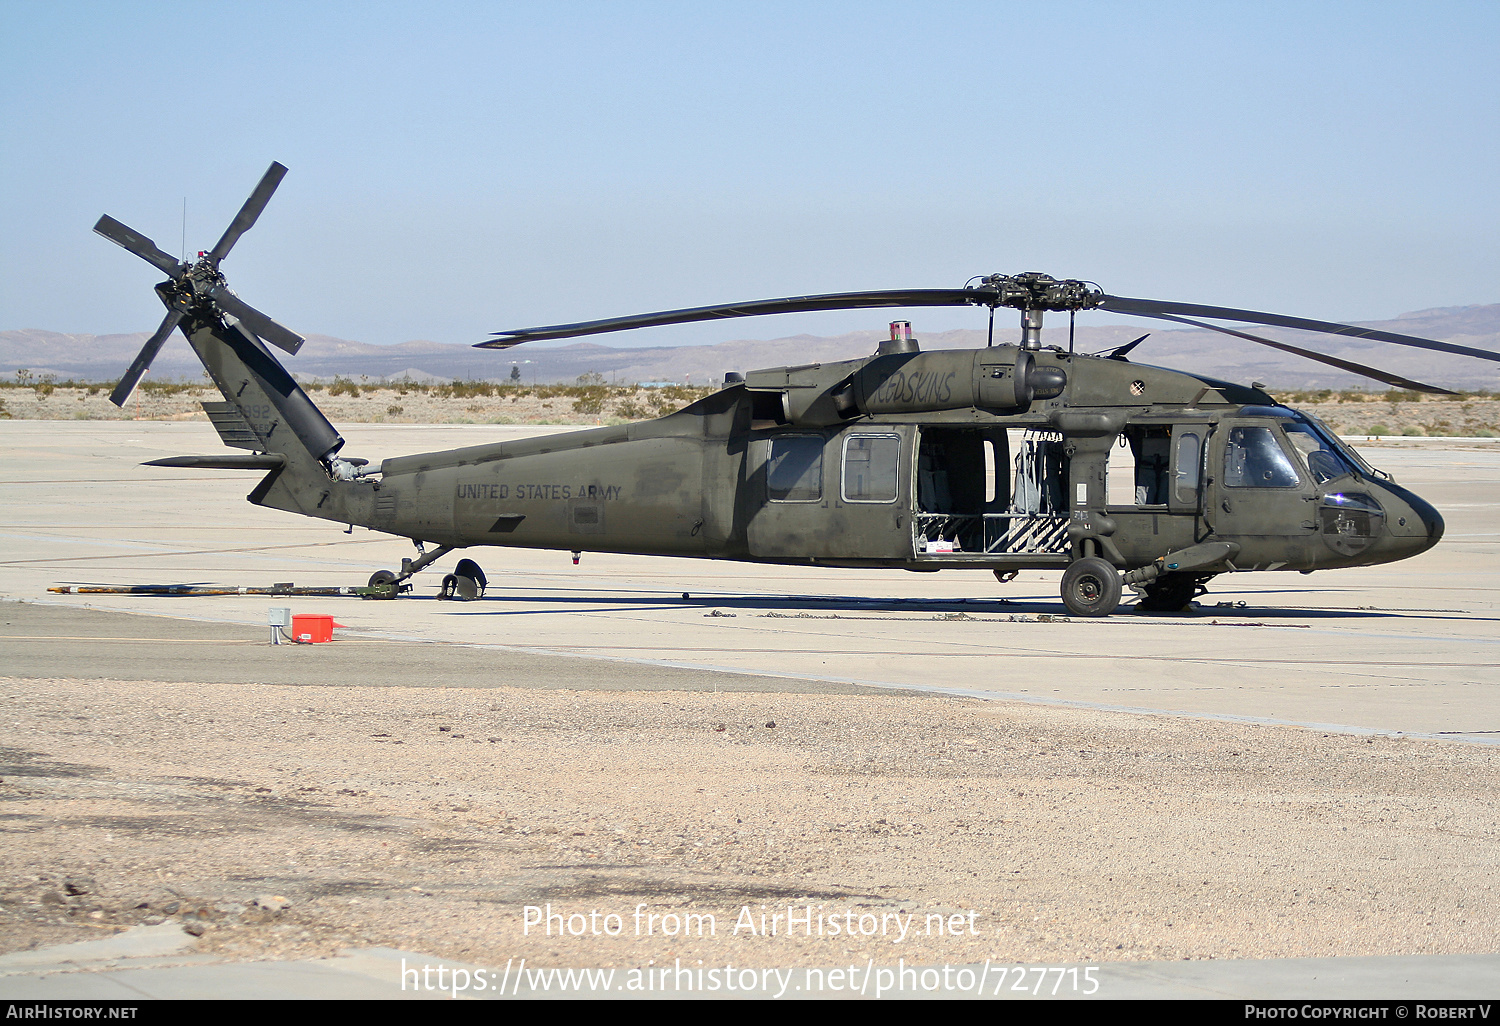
(102, 358)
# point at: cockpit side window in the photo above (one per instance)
(1254, 459)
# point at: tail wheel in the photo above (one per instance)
(1091, 587)
(385, 579)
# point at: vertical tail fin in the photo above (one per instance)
(265, 410)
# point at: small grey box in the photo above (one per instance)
(281, 616)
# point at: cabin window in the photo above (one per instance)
(1188, 467)
(1152, 449)
(794, 469)
(870, 466)
(1254, 459)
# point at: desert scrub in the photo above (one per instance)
(590, 399)
(464, 390)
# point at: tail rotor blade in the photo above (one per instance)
(253, 319)
(144, 357)
(128, 238)
(249, 213)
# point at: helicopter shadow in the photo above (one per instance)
(842, 606)
(1346, 612)
(784, 604)
(810, 606)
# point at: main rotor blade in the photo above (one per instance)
(284, 338)
(1332, 361)
(246, 218)
(1160, 309)
(757, 308)
(127, 237)
(144, 357)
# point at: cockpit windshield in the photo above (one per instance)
(1338, 444)
(1322, 456)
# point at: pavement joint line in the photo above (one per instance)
(1044, 653)
(577, 650)
(167, 552)
(153, 641)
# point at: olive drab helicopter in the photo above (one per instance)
(986, 459)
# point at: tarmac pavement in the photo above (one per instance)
(1410, 647)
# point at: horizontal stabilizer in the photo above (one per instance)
(258, 461)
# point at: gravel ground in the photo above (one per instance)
(285, 821)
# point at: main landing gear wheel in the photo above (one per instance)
(1091, 587)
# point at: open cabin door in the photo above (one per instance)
(1156, 486)
(988, 496)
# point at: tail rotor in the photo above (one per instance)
(199, 289)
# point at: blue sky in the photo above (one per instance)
(461, 168)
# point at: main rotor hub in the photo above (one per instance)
(1033, 293)
(1033, 290)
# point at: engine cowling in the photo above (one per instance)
(998, 378)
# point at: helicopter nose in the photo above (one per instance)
(1417, 526)
(1434, 521)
